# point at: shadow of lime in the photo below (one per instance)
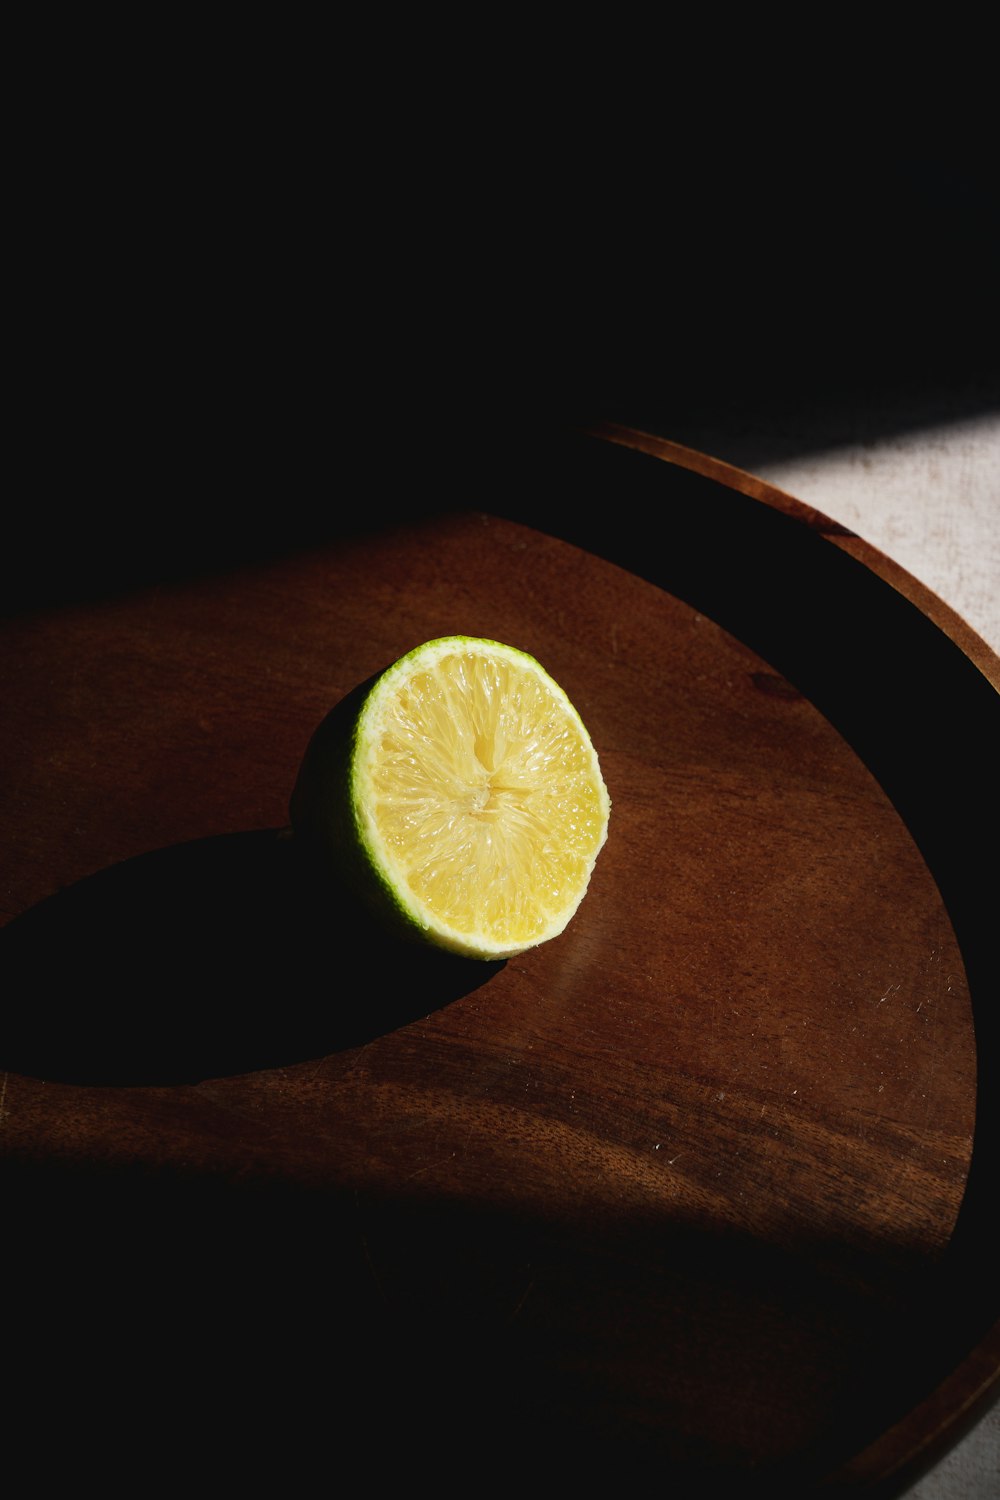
(211, 958)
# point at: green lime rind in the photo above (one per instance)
(328, 805)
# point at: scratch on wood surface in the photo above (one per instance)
(352, 1067)
(372, 1268)
(522, 1299)
(438, 1161)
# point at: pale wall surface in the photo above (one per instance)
(930, 500)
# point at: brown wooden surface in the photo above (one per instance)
(679, 1189)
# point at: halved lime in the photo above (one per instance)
(460, 791)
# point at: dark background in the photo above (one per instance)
(239, 342)
(236, 341)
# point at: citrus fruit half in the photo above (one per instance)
(460, 791)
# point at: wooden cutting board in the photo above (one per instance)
(697, 1190)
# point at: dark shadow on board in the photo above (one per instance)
(428, 1334)
(211, 958)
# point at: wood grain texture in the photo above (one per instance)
(679, 1188)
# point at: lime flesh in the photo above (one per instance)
(476, 804)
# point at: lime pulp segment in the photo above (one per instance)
(478, 792)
